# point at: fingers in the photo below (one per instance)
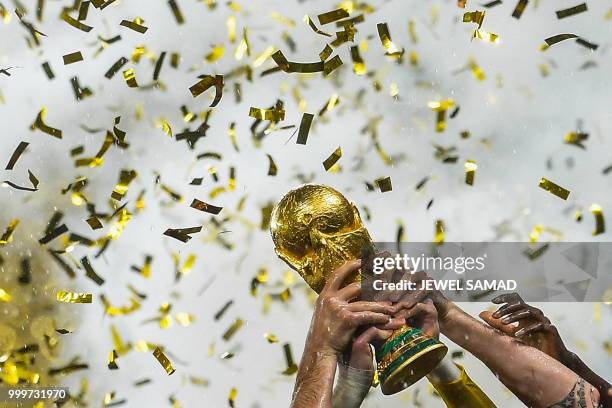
(395, 323)
(508, 298)
(489, 318)
(378, 307)
(370, 318)
(509, 308)
(421, 309)
(516, 316)
(534, 328)
(350, 292)
(373, 335)
(340, 274)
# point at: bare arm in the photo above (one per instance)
(535, 378)
(529, 324)
(315, 379)
(334, 321)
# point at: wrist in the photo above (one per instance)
(444, 308)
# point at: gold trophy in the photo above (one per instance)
(315, 230)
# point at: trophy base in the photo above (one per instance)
(407, 357)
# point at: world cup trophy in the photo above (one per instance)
(315, 230)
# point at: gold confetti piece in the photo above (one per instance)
(384, 184)
(470, 171)
(39, 124)
(52, 234)
(476, 70)
(520, 7)
(275, 115)
(326, 52)
(75, 23)
(207, 82)
(332, 16)
(299, 67)
(16, 155)
(314, 27)
(83, 10)
(571, 11)
(243, 46)
(182, 234)
(486, 36)
(124, 310)
(116, 67)
(587, 44)
(576, 139)
(271, 338)
(332, 159)
(441, 107)
(359, 67)
(125, 178)
(554, 188)
(272, 169)
(555, 39)
(492, 3)
(230, 23)
(48, 71)
(231, 331)
(600, 225)
(461, 3)
(73, 297)
(282, 19)
(7, 237)
(94, 222)
(385, 38)
(163, 360)
(439, 232)
(112, 357)
(232, 397)
(130, 78)
(176, 11)
(184, 319)
(63, 331)
(158, 65)
(331, 65)
(476, 17)
(135, 25)
(5, 296)
(215, 54)
(305, 124)
(291, 366)
(90, 273)
(72, 58)
(202, 206)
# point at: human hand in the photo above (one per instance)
(422, 315)
(402, 298)
(337, 316)
(533, 327)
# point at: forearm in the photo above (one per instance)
(352, 387)
(537, 379)
(315, 379)
(574, 363)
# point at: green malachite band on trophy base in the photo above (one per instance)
(389, 345)
(405, 356)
